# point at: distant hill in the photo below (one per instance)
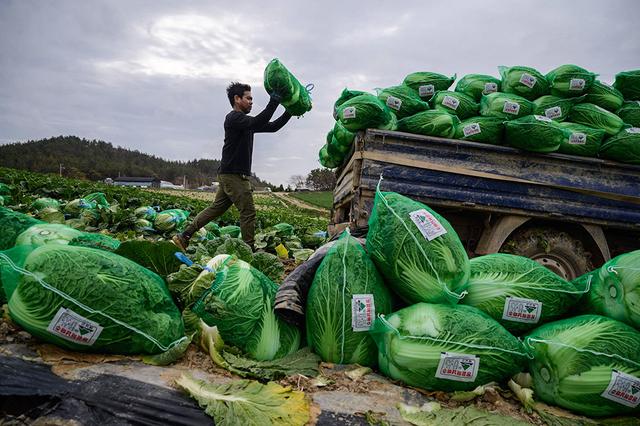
(97, 160)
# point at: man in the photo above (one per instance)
(235, 166)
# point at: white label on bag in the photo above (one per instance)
(511, 107)
(74, 327)
(490, 88)
(471, 129)
(528, 80)
(451, 102)
(623, 389)
(522, 310)
(363, 312)
(577, 84)
(577, 138)
(349, 112)
(458, 367)
(553, 112)
(633, 130)
(429, 226)
(394, 103)
(542, 118)
(427, 90)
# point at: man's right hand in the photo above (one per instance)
(276, 97)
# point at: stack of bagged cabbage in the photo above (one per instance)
(567, 110)
(413, 304)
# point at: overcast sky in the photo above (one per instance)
(151, 75)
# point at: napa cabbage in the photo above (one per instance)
(594, 116)
(476, 85)
(456, 103)
(523, 81)
(428, 83)
(481, 129)
(604, 96)
(623, 147)
(402, 100)
(535, 133)
(505, 105)
(570, 80)
(430, 123)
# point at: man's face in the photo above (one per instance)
(245, 102)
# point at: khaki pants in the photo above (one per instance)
(236, 190)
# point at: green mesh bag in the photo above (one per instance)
(446, 348)
(13, 224)
(630, 113)
(505, 105)
(145, 212)
(604, 96)
(455, 103)
(363, 112)
(171, 220)
(570, 80)
(342, 136)
(346, 295)
(97, 241)
(336, 150)
(344, 97)
(587, 364)
(535, 133)
(84, 299)
(402, 100)
(628, 83)
(416, 250)
(523, 81)
(47, 233)
(476, 85)
(580, 140)
(594, 116)
(623, 147)
(232, 231)
(278, 79)
(554, 107)
(44, 203)
(5, 190)
(240, 304)
(428, 83)
(99, 198)
(481, 129)
(326, 160)
(430, 123)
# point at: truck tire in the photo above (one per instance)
(554, 249)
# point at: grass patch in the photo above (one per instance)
(322, 199)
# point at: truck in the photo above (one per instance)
(568, 213)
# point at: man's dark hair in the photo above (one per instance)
(236, 88)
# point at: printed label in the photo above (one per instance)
(577, 84)
(633, 130)
(74, 327)
(623, 389)
(363, 312)
(528, 80)
(394, 103)
(577, 138)
(490, 88)
(426, 90)
(458, 367)
(349, 112)
(522, 310)
(511, 108)
(542, 118)
(471, 129)
(427, 223)
(451, 102)
(553, 112)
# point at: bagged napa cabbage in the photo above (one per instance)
(240, 304)
(594, 116)
(459, 104)
(430, 123)
(416, 250)
(12, 224)
(75, 207)
(428, 83)
(170, 220)
(362, 112)
(615, 289)
(630, 113)
(623, 147)
(85, 299)
(554, 107)
(587, 364)
(47, 233)
(345, 96)
(343, 137)
(604, 96)
(43, 203)
(445, 348)
(505, 105)
(570, 80)
(476, 85)
(481, 129)
(402, 100)
(278, 80)
(523, 81)
(628, 83)
(146, 213)
(346, 295)
(580, 140)
(535, 133)
(334, 148)
(326, 160)
(518, 292)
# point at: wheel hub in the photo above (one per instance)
(557, 265)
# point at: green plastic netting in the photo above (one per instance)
(428, 83)
(630, 113)
(623, 147)
(594, 116)
(505, 105)
(45, 202)
(326, 160)
(278, 79)
(402, 100)
(481, 129)
(362, 112)
(533, 133)
(459, 104)
(554, 107)
(476, 85)
(344, 97)
(604, 96)
(580, 140)
(570, 80)
(628, 83)
(523, 81)
(430, 123)
(13, 224)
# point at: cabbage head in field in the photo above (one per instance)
(481, 129)
(430, 123)
(146, 213)
(570, 80)
(428, 83)
(630, 113)
(45, 202)
(535, 133)
(580, 140)
(623, 147)
(587, 364)
(456, 103)
(416, 250)
(523, 81)
(518, 292)
(476, 85)
(594, 116)
(170, 220)
(628, 83)
(604, 96)
(346, 295)
(12, 224)
(505, 105)
(402, 100)
(47, 233)
(446, 348)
